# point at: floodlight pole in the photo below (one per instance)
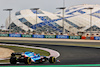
(90, 8)
(91, 22)
(63, 31)
(63, 3)
(9, 17)
(36, 16)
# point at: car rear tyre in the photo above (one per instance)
(13, 60)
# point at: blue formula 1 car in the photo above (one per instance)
(29, 57)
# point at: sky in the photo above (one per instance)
(46, 5)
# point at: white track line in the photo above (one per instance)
(52, 52)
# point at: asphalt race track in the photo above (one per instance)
(72, 55)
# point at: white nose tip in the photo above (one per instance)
(58, 60)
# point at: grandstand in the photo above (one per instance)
(76, 19)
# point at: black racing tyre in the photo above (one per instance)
(27, 60)
(13, 60)
(52, 59)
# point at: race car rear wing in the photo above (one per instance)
(13, 54)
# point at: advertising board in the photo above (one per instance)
(14, 35)
(50, 36)
(26, 35)
(62, 36)
(38, 36)
(4, 35)
(75, 37)
(96, 38)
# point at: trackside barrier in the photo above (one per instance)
(62, 36)
(83, 37)
(50, 36)
(38, 36)
(4, 35)
(74, 37)
(26, 35)
(92, 38)
(96, 38)
(87, 37)
(14, 35)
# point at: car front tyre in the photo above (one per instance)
(52, 59)
(27, 60)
